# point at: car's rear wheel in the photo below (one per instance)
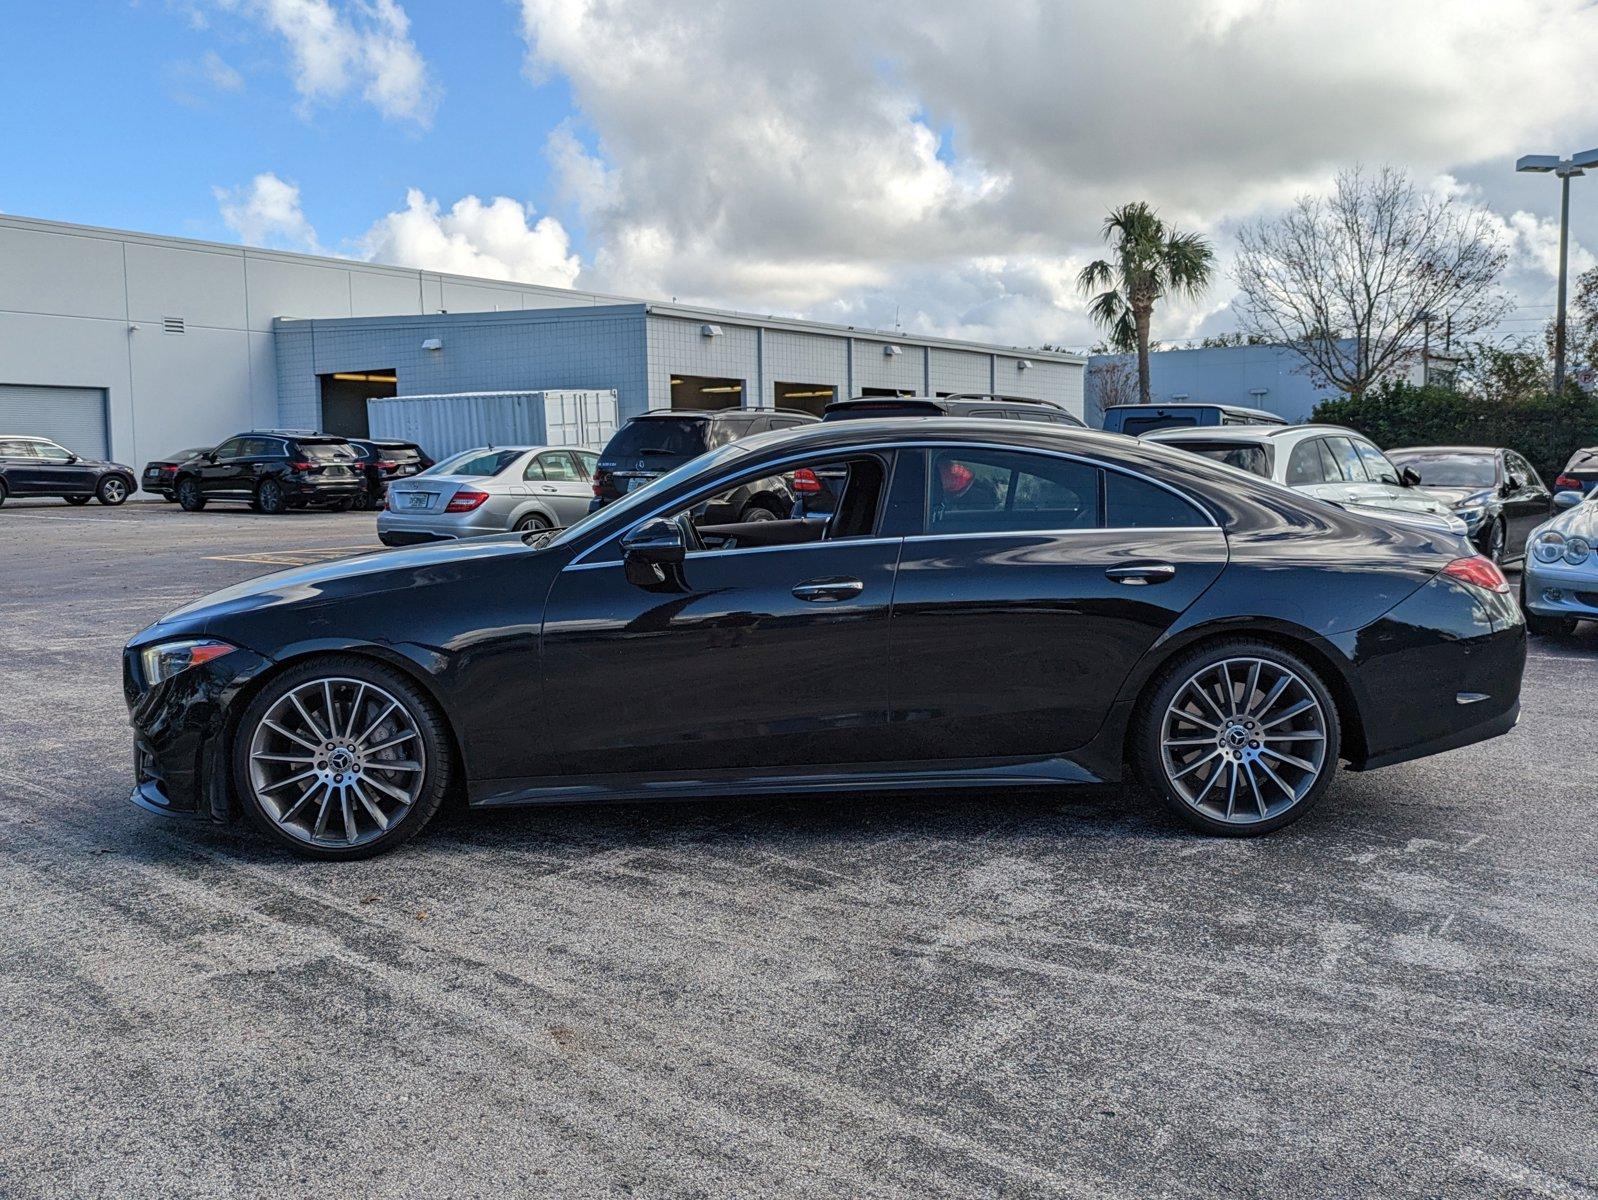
(190, 498)
(1544, 626)
(269, 497)
(112, 490)
(77, 500)
(757, 512)
(1497, 538)
(531, 524)
(364, 501)
(1238, 738)
(341, 506)
(341, 757)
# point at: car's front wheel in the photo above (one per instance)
(112, 490)
(1238, 738)
(341, 757)
(190, 498)
(1497, 538)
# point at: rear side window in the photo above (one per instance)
(1347, 460)
(559, 467)
(16, 450)
(1132, 503)
(1306, 465)
(995, 491)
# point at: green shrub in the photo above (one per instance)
(1546, 429)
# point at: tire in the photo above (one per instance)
(341, 506)
(757, 512)
(269, 498)
(77, 501)
(190, 498)
(1544, 626)
(1222, 782)
(529, 523)
(112, 491)
(1497, 540)
(4, 491)
(364, 797)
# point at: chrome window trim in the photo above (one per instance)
(1024, 533)
(719, 554)
(766, 469)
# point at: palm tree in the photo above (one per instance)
(1150, 262)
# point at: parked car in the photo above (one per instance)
(160, 474)
(655, 443)
(1580, 473)
(36, 466)
(496, 489)
(989, 607)
(381, 462)
(961, 404)
(1559, 584)
(1137, 419)
(1496, 492)
(1325, 461)
(273, 471)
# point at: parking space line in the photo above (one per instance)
(294, 558)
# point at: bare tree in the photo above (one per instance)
(1113, 381)
(1351, 279)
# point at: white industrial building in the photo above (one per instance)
(129, 346)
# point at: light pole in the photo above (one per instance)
(1566, 169)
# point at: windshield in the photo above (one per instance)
(1242, 455)
(641, 498)
(676, 436)
(477, 464)
(328, 451)
(1450, 470)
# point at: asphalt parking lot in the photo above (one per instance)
(1058, 995)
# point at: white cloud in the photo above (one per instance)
(219, 74)
(334, 48)
(951, 162)
(499, 239)
(266, 212)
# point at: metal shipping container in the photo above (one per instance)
(448, 423)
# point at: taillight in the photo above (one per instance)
(302, 466)
(1569, 483)
(386, 464)
(804, 480)
(601, 481)
(170, 470)
(464, 501)
(1478, 572)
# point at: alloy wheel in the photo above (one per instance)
(1243, 740)
(1495, 542)
(113, 491)
(336, 762)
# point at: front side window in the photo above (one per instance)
(231, 448)
(843, 499)
(1452, 470)
(997, 491)
(1376, 465)
(1519, 466)
(51, 452)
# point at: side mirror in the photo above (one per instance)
(72, 458)
(653, 553)
(1567, 499)
(1409, 477)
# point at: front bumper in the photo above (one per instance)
(1561, 590)
(1441, 670)
(180, 743)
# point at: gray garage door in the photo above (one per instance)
(74, 417)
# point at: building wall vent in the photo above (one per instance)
(710, 330)
(891, 351)
(172, 324)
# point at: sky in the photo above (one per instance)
(937, 165)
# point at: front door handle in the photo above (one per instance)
(822, 591)
(1141, 575)
(547, 488)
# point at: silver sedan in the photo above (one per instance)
(1559, 585)
(494, 489)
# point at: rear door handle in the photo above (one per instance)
(822, 591)
(1141, 575)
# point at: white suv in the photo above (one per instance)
(1327, 461)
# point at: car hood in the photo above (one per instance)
(366, 574)
(1458, 497)
(1580, 521)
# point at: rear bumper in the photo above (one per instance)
(305, 491)
(1441, 670)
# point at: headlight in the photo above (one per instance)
(158, 663)
(1577, 550)
(1470, 514)
(1549, 547)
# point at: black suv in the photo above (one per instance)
(381, 461)
(36, 466)
(961, 404)
(649, 445)
(273, 470)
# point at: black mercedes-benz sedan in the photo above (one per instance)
(990, 603)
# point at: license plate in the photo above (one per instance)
(636, 482)
(418, 500)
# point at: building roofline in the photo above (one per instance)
(582, 299)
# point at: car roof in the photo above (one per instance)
(1267, 418)
(26, 437)
(1447, 450)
